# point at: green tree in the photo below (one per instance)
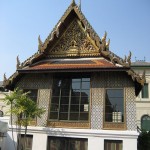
(144, 140)
(25, 110)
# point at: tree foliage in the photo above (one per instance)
(144, 140)
(23, 107)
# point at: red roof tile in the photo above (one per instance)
(70, 64)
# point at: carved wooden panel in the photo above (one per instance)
(115, 126)
(35, 81)
(68, 124)
(73, 42)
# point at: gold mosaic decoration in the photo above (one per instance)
(60, 124)
(74, 42)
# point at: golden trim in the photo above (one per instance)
(76, 125)
(114, 126)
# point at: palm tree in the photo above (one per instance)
(25, 110)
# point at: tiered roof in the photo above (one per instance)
(73, 45)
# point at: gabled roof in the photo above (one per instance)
(73, 38)
(100, 46)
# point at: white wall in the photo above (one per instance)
(95, 137)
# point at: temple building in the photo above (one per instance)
(88, 92)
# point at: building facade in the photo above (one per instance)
(88, 92)
(143, 99)
(4, 117)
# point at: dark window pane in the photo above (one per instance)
(55, 100)
(145, 123)
(75, 100)
(84, 116)
(74, 108)
(65, 92)
(65, 83)
(64, 100)
(71, 99)
(63, 116)
(114, 105)
(64, 108)
(63, 143)
(113, 145)
(54, 107)
(56, 92)
(145, 91)
(54, 115)
(74, 116)
(85, 93)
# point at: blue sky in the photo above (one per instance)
(127, 23)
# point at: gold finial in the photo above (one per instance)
(5, 79)
(129, 58)
(18, 63)
(40, 43)
(104, 37)
(73, 2)
(80, 4)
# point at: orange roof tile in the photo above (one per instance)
(72, 64)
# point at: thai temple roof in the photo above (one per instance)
(73, 45)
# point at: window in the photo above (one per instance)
(32, 93)
(26, 141)
(145, 123)
(114, 105)
(59, 143)
(113, 145)
(145, 93)
(70, 99)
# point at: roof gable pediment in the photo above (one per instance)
(73, 42)
(72, 36)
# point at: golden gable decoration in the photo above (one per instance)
(74, 42)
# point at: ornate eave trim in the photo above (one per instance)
(136, 77)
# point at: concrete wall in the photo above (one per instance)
(95, 137)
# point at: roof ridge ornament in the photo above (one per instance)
(73, 3)
(80, 4)
(18, 63)
(5, 79)
(40, 44)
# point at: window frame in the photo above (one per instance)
(22, 138)
(142, 93)
(71, 77)
(113, 142)
(114, 125)
(145, 120)
(67, 141)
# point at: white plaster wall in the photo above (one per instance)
(143, 104)
(95, 137)
(3, 106)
